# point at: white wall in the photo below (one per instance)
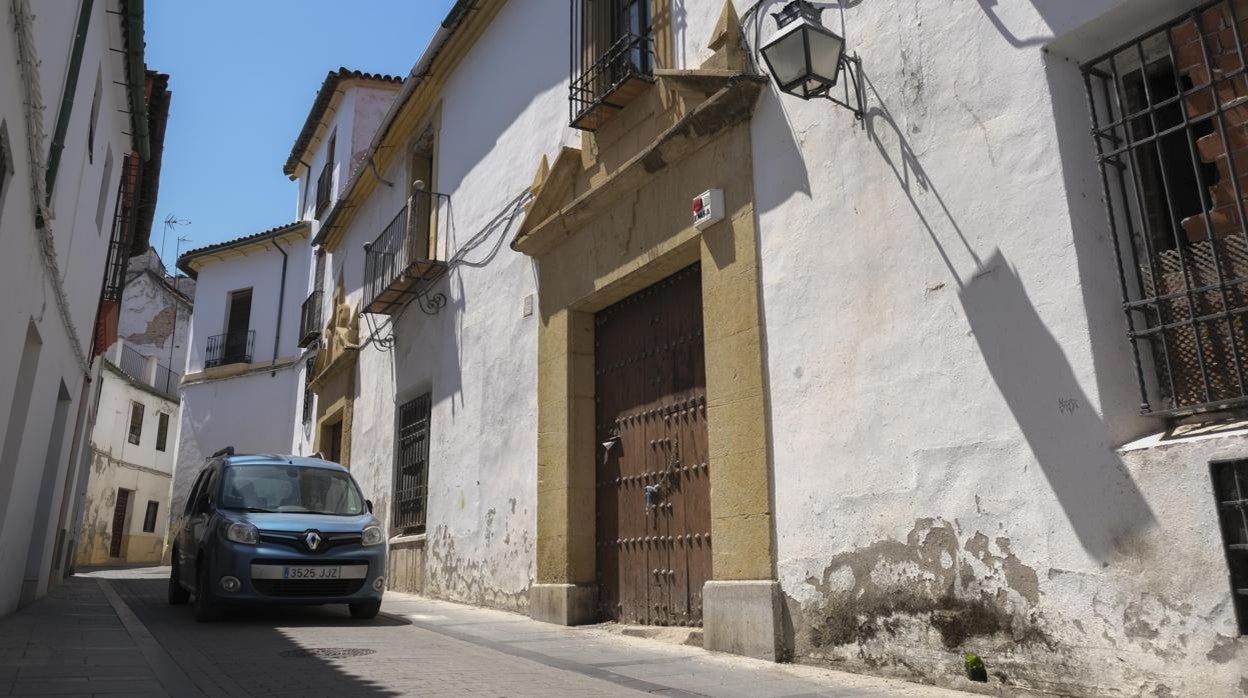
(153, 320)
(478, 355)
(28, 488)
(259, 269)
(948, 367)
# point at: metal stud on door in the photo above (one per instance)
(653, 491)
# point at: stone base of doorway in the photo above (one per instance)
(563, 604)
(743, 617)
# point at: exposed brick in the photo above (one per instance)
(1214, 19)
(1185, 33)
(1198, 103)
(1223, 221)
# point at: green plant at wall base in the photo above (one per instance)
(975, 669)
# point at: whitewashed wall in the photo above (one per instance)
(948, 369)
(477, 357)
(32, 473)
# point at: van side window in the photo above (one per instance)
(195, 490)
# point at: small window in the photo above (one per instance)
(411, 471)
(108, 175)
(1230, 486)
(325, 183)
(136, 422)
(149, 519)
(6, 162)
(162, 431)
(95, 114)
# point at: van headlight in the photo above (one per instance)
(372, 536)
(243, 533)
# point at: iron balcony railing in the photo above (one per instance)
(1167, 125)
(402, 262)
(164, 379)
(310, 319)
(133, 364)
(229, 348)
(324, 188)
(611, 58)
(123, 230)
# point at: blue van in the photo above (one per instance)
(272, 529)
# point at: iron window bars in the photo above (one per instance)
(1163, 107)
(123, 225)
(324, 183)
(309, 368)
(612, 47)
(310, 319)
(411, 470)
(1230, 486)
(229, 348)
(136, 423)
(402, 262)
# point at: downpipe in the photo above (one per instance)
(281, 303)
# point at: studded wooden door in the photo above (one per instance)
(653, 484)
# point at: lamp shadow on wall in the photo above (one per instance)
(989, 8)
(1067, 437)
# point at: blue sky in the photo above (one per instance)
(243, 76)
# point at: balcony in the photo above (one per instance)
(324, 188)
(229, 348)
(146, 370)
(310, 319)
(615, 39)
(401, 264)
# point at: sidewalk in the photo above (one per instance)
(110, 632)
(74, 642)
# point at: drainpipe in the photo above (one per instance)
(281, 302)
(67, 96)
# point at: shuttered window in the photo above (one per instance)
(136, 422)
(162, 431)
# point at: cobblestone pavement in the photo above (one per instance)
(111, 632)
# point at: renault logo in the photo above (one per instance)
(312, 539)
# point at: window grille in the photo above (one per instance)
(611, 56)
(1164, 108)
(411, 472)
(1230, 486)
(308, 395)
(136, 423)
(149, 517)
(162, 431)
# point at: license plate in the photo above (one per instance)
(309, 571)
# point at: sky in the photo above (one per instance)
(243, 76)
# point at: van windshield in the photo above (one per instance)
(290, 489)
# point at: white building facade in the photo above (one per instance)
(134, 420)
(73, 120)
(881, 410)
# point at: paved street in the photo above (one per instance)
(111, 632)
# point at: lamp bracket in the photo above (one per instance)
(853, 73)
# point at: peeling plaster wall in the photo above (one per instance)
(949, 373)
(81, 250)
(478, 355)
(152, 320)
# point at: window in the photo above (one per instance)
(136, 422)
(1177, 205)
(6, 162)
(196, 489)
(108, 175)
(308, 395)
(162, 430)
(95, 114)
(149, 518)
(1230, 487)
(612, 58)
(411, 470)
(325, 183)
(235, 344)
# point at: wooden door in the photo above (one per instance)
(653, 484)
(120, 512)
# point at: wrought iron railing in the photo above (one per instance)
(166, 381)
(229, 348)
(310, 318)
(611, 42)
(324, 188)
(400, 262)
(123, 227)
(1164, 107)
(133, 364)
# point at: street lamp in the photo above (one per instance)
(806, 58)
